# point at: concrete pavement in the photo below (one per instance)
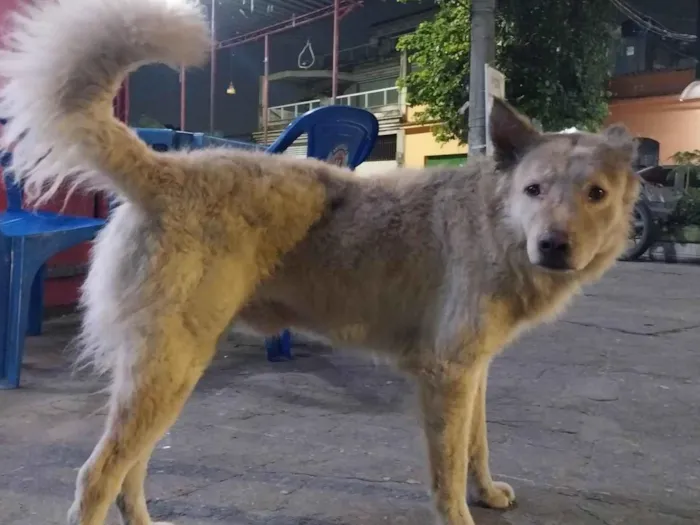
(594, 420)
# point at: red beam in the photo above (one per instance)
(266, 90)
(346, 6)
(212, 70)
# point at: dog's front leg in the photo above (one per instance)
(493, 494)
(447, 399)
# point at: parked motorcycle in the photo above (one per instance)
(662, 189)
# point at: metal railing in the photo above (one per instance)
(374, 99)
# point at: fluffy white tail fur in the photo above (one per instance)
(62, 65)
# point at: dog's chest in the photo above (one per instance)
(506, 316)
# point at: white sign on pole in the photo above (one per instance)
(495, 87)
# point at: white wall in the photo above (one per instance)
(379, 167)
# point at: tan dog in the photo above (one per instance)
(438, 269)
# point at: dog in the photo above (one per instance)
(438, 269)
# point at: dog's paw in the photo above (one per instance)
(499, 496)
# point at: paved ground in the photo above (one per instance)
(594, 420)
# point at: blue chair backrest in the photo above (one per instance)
(202, 140)
(158, 139)
(167, 139)
(341, 135)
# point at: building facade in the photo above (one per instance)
(649, 105)
(368, 79)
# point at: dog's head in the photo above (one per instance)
(571, 195)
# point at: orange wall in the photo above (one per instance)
(675, 124)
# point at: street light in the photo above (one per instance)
(692, 90)
(231, 89)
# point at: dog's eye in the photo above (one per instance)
(533, 190)
(596, 194)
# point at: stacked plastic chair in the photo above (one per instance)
(341, 135)
(28, 239)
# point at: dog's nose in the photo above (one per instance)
(554, 250)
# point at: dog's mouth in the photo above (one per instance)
(556, 266)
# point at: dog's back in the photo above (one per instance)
(377, 268)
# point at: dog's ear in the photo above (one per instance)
(620, 144)
(512, 134)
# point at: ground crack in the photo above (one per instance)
(633, 332)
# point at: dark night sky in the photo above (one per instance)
(155, 90)
(677, 15)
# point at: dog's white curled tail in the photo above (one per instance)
(61, 67)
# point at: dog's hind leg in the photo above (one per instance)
(447, 399)
(146, 399)
(167, 338)
(493, 494)
(131, 501)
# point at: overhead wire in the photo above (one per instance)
(650, 24)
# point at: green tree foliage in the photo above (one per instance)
(438, 54)
(555, 55)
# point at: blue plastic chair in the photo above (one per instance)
(167, 139)
(341, 135)
(28, 239)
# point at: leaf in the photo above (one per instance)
(554, 54)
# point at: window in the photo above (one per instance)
(384, 148)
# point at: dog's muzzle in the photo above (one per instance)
(554, 251)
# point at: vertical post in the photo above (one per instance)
(126, 93)
(482, 52)
(403, 72)
(183, 98)
(697, 43)
(336, 44)
(212, 74)
(266, 89)
(692, 90)
(495, 87)
(121, 102)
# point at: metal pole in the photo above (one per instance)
(127, 99)
(697, 43)
(482, 52)
(336, 43)
(183, 98)
(212, 74)
(266, 89)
